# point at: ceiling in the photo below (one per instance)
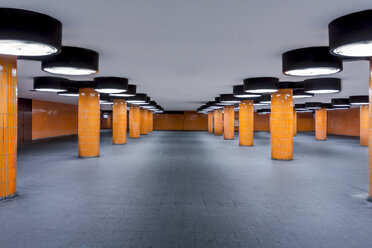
(185, 53)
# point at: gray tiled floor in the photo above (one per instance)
(190, 189)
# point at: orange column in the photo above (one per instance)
(370, 130)
(218, 122)
(119, 129)
(143, 122)
(151, 115)
(228, 122)
(210, 122)
(134, 122)
(88, 123)
(246, 123)
(148, 120)
(294, 122)
(8, 126)
(321, 124)
(281, 125)
(364, 125)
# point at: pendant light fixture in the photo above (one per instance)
(300, 106)
(151, 105)
(340, 102)
(50, 84)
(111, 85)
(238, 91)
(72, 92)
(72, 61)
(310, 61)
(351, 35)
(139, 98)
(132, 89)
(263, 111)
(359, 100)
(328, 106)
(28, 33)
(300, 93)
(229, 99)
(258, 103)
(322, 85)
(313, 105)
(266, 99)
(261, 85)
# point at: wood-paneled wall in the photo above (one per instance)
(24, 120)
(344, 122)
(51, 119)
(188, 120)
(305, 122)
(261, 122)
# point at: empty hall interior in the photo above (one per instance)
(185, 124)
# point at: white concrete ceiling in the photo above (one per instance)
(185, 53)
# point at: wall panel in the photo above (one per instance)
(195, 121)
(51, 119)
(168, 122)
(305, 122)
(261, 122)
(344, 122)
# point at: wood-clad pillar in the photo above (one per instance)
(281, 124)
(134, 121)
(119, 128)
(364, 125)
(218, 122)
(246, 123)
(88, 123)
(370, 130)
(294, 122)
(210, 122)
(151, 121)
(228, 122)
(321, 124)
(8, 126)
(143, 121)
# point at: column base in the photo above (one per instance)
(119, 143)
(8, 197)
(88, 156)
(246, 145)
(369, 199)
(321, 139)
(282, 159)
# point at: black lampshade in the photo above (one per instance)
(328, 106)
(340, 102)
(50, 84)
(229, 99)
(238, 91)
(310, 61)
(73, 92)
(139, 98)
(72, 61)
(258, 103)
(300, 106)
(264, 111)
(132, 90)
(28, 33)
(351, 35)
(265, 99)
(261, 85)
(297, 94)
(313, 105)
(151, 105)
(359, 100)
(111, 85)
(322, 85)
